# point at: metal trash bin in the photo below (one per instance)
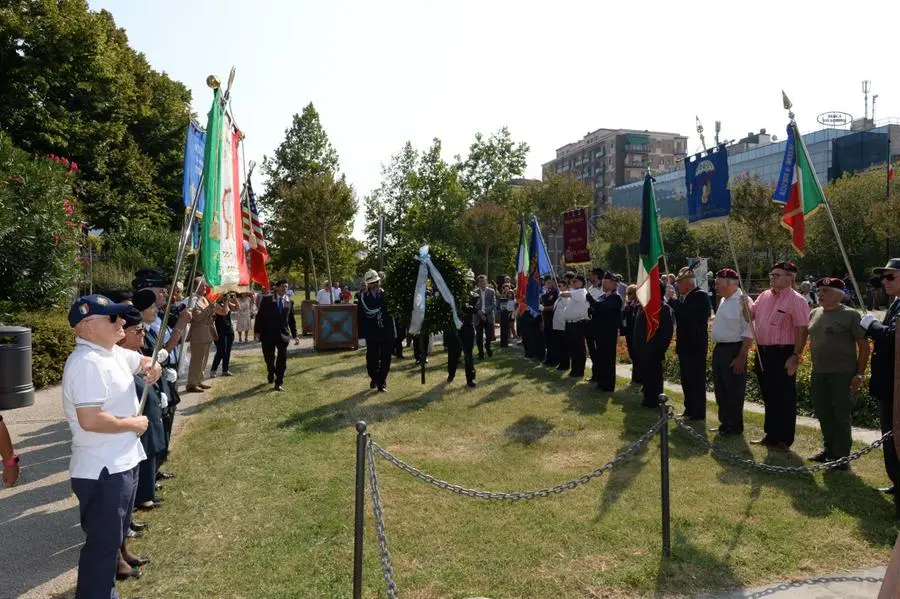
(16, 387)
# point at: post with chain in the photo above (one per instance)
(664, 473)
(361, 440)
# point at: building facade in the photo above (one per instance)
(833, 152)
(608, 158)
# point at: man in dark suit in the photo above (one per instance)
(883, 383)
(606, 320)
(378, 327)
(487, 306)
(274, 328)
(652, 352)
(692, 310)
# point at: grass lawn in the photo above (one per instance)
(263, 502)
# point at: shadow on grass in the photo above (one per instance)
(872, 510)
(225, 399)
(687, 564)
(528, 430)
(501, 392)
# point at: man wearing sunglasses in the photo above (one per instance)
(883, 384)
(100, 403)
(781, 319)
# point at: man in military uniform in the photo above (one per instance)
(463, 341)
(883, 384)
(652, 352)
(377, 325)
(692, 310)
(554, 339)
(606, 319)
(275, 326)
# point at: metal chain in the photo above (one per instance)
(523, 495)
(746, 462)
(386, 566)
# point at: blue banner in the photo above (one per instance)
(540, 265)
(193, 172)
(706, 178)
(783, 189)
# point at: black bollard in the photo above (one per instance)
(664, 474)
(361, 439)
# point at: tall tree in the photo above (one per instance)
(490, 165)
(306, 150)
(490, 227)
(620, 227)
(393, 198)
(557, 193)
(752, 207)
(72, 86)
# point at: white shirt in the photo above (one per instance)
(98, 378)
(578, 305)
(325, 297)
(729, 325)
(559, 313)
(596, 291)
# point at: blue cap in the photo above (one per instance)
(94, 305)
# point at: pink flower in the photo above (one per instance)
(70, 223)
(64, 161)
(73, 166)
(68, 207)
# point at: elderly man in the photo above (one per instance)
(325, 296)
(275, 326)
(883, 383)
(781, 319)
(201, 336)
(487, 306)
(606, 320)
(840, 353)
(100, 403)
(652, 352)
(692, 311)
(576, 322)
(733, 338)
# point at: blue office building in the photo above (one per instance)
(833, 152)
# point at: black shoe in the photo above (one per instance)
(450, 379)
(372, 384)
(490, 353)
(138, 526)
(892, 490)
(820, 457)
(481, 356)
(842, 467)
(164, 475)
(764, 441)
(279, 388)
(471, 384)
(131, 534)
(382, 388)
(271, 378)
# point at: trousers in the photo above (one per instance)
(576, 347)
(378, 360)
(275, 355)
(197, 366)
(484, 335)
(832, 403)
(223, 349)
(504, 328)
(454, 349)
(891, 462)
(104, 506)
(604, 361)
(730, 388)
(779, 393)
(692, 367)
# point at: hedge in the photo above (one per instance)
(865, 407)
(52, 340)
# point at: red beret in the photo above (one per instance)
(833, 282)
(787, 265)
(727, 273)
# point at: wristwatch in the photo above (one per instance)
(12, 462)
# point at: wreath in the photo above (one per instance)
(400, 285)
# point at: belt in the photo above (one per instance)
(718, 343)
(779, 346)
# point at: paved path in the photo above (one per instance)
(41, 535)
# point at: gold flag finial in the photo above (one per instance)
(213, 82)
(787, 101)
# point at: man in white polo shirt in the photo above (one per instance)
(100, 404)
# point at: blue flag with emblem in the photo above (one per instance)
(539, 263)
(193, 171)
(706, 177)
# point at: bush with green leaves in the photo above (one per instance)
(52, 340)
(40, 229)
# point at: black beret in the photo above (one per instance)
(143, 299)
(132, 317)
(120, 296)
(598, 271)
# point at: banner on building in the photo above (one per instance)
(706, 178)
(575, 237)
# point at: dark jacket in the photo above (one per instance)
(629, 315)
(273, 325)
(692, 319)
(375, 322)
(154, 438)
(881, 384)
(655, 348)
(606, 315)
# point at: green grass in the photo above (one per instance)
(263, 502)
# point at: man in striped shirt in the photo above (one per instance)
(781, 319)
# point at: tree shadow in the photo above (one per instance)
(528, 430)
(501, 392)
(871, 509)
(686, 564)
(587, 401)
(224, 399)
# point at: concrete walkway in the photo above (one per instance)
(41, 535)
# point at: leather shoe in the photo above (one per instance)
(147, 506)
(372, 384)
(204, 386)
(820, 457)
(892, 490)
(193, 389)
(450, 379)
(279, 388)
(382, 388)
(164, 475)
(764, 441)
(132, 534)
(471, 384)
(138, 526)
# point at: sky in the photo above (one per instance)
(381, 73)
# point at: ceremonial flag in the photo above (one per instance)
(224, 266)
(706, 178)
(798, 188)
(253, 235)
(539, 263)
(648, 291)
(575, 237)
(193, 173)
(522, 268)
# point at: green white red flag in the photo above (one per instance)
(798, 188)
(650, 249)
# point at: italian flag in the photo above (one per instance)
(648, 291)
(222, 257)
(798, 189)
(522, 268)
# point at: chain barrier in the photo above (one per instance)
(522, 495)
(749, 463)
(386, 566)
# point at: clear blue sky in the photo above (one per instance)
(381, 73)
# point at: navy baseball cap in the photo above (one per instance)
(94, 305)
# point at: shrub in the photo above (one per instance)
(39, 229)
(52, 340)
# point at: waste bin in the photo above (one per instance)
(16, 388)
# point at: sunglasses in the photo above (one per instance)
(138, 330)
(889, 276)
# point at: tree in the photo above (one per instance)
(72, 86)
(393, 198)
(490, 226)
(620, 227)
(306, 150)
(752, 207)
(490, 165)
(556, 194)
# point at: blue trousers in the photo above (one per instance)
(105, 507)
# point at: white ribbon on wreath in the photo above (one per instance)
(426, 267)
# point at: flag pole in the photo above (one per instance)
(799, 138)
(656, 208)
(537, 226)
